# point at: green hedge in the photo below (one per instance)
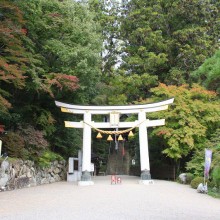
(216, 176)
(196, 181)
(47, 157)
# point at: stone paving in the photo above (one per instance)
(103, 201)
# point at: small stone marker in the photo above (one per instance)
(119, 180)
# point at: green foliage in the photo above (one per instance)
(196, 181)
(122, 89)
(32, 137)
(211, 185)
(135, 87)
(26, 143)
(46, 121)
(107, 14)
(47, 157)
(196, 164)
(189, 178)
(53, 49)
(65, 45)
(215, 146)
(67, 142)
(216, 176)
(189, 121)
(13, 56)
(208, 74)
(50, 49)
(168, 38)
(214, 194)
(14, 146)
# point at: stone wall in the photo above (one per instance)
(19, 174)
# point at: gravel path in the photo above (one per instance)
(103, 201)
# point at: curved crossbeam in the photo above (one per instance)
(122, 109)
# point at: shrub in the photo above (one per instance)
(196, 165)
(13, 145)
(48, 157)
(189, 178)
(196, 181)
(216, 176)
(211, 185)
(178, 180)
(185, 178)
(33, 137)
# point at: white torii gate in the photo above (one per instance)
(87, 125)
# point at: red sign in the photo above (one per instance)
(113, 179)
(2, 128)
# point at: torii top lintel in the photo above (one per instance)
(125, 109)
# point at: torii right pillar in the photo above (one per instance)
(144, 153)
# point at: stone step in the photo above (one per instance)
(117, 163)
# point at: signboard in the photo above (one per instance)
(114, 118)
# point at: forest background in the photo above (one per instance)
(102, 52)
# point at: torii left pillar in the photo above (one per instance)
(144, 152)
(86, 157)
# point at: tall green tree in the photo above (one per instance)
(169, 38)
(61, 44)
(190, 121)
(66, 47)
(107, 14)
(208, 74)
(123, 89)
(65, 44)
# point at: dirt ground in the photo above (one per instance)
(103, 201)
